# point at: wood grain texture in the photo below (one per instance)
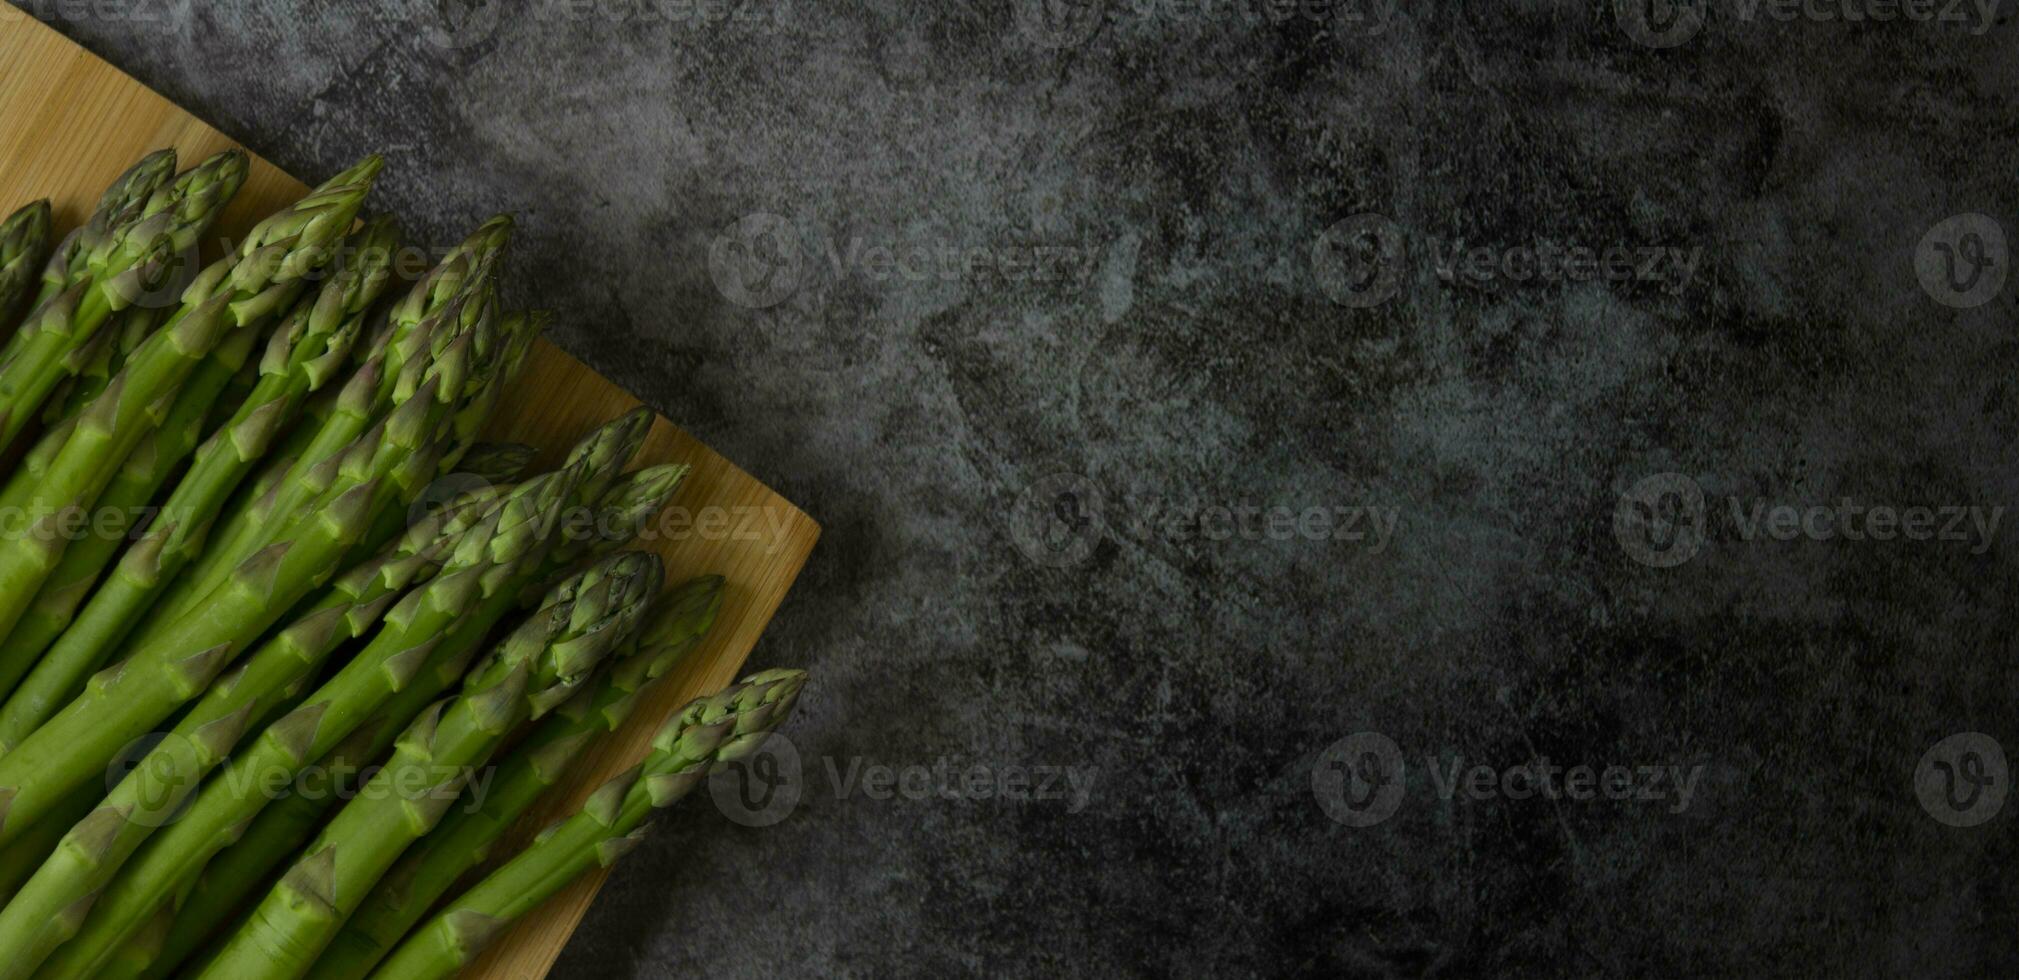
(69, 123)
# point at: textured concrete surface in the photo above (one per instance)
(1114, 339)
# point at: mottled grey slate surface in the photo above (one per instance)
(1040, 316)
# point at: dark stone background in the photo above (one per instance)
(1196, 361)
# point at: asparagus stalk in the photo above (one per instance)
(19, 860)
(236, 294)
(169, 864)
(437, 636)
(539, 666)
(93, 366)
(120, 205)
(246, 868)
(281, 830)
(707, 734)
(621, 515)
(122, 266)
(437, 344)
(132, 406)
(496, 370)
(24, 242)
(53, 903)
(172, 665)
(305, 353)
(464, 839)
(236, 390)
(603, 454)
(131, 487)
(497, 462)
(132, 960)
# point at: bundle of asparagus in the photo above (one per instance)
(313, 569)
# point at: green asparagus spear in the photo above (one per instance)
(248, 867)
(92, 368)
(464, 839)
(438, 345)
(124, 413)
(129, 490)
(173, 665)
(497, 462)
(621, 515)
(495, 371)
(129, 261)
(70, 262)
(24, 242)
(236, 294)
(304, 354)
(19, 860)
(707, 734)
(53, 903)
(603, 454)
(280, 831)
(437, 633)
(542, 664)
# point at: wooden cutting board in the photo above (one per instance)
(69, 123)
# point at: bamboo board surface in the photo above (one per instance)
(69, 123)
